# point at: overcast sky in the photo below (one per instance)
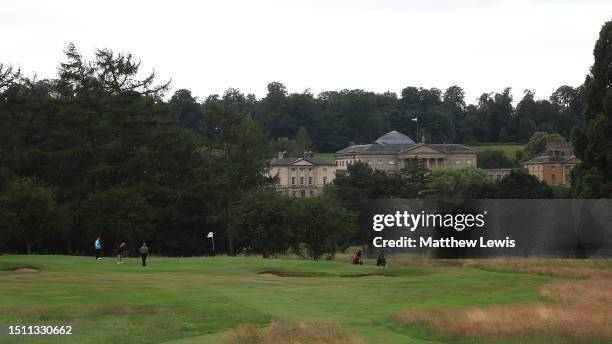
(384, 45)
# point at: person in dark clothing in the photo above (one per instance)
(357, 258)
(381, 261)
(120, 253)
(144, 252)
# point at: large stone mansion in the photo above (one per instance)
(392, 151)
(306, 177)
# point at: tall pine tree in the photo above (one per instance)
(593, 144)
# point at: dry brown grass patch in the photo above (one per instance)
(128, 310)
(317, 332)
(580, 310)
(28, 310)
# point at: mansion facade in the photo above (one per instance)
(307, 177)
(302, 177)
(554, 168)
(392, 151)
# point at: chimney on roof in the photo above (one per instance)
(558, 148)
(308, 155)
(282, 155)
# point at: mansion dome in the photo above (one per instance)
(392, 151)
(394, 138)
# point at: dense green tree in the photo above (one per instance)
(523, 123)
(569, 106)
(261, 221)
(302, 140)
(362, 183)
(415, 176)
(495, 112)
(31, 216)
(237, 154)
(521, 185)
(454, 96)
(593, 144)
(187, 109)
(119, 215)
(321, 224)
(494, 158)
(537, 144)
(460, 183)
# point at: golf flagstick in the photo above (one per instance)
(211, 236)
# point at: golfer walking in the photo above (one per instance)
(120, 253)
(144, 252)
(98, 248)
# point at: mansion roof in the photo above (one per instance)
(396, 143)
(547, 159)
(394, 138)
(292, 161)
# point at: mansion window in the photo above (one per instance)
(391, 162)
(292, 180)
(311, 192)
(301, 180)
(309, 180)
(324, 180)
(303, 193)
(294, 194)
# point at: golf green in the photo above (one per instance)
(195, 300)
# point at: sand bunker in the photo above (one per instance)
(268, 274)
(276, 273)
(24, 269)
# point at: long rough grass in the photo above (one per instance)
(317, 332)
(574, 310)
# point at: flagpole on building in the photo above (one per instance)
(417, 131)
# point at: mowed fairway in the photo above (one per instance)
(196, 300)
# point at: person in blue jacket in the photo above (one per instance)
(98, 248)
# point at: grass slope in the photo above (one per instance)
(326, 156)
(508, 149)
(194, 300)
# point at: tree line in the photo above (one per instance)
(100, 151)
(336, 119)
